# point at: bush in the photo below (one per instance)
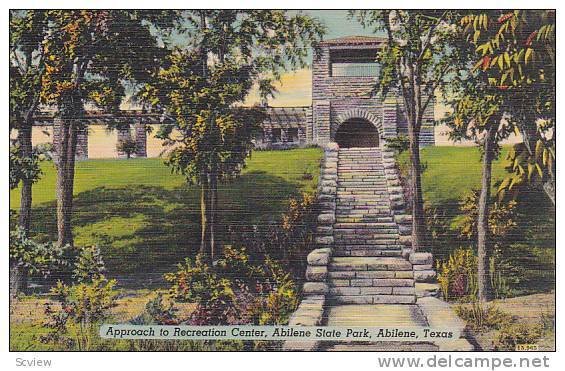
(483, 317)
(287, 241)
(398, 144)
(235, 290)
(89, 264)
(73, 323)
(513, 334)
(457, 276)
(502, 220)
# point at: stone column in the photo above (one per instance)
(140, 140)
(82, 141)
(390, 120)
(82, 144)
(309, 126)
(321, 122)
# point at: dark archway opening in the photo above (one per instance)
(357, 133)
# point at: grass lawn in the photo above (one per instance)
(451, 172)
(146, 219)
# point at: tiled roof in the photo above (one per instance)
(355, 40)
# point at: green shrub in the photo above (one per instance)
(502, 220)
(482, 317)
(287, 241)
(457, 276)
(235, 290)
(512, 334)
(398, 144)
(80, 308)
(89, 264)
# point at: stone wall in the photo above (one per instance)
(310, 312)
(422, 262)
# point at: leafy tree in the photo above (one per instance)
(517, 51)
(127, 146)
(484, 112)
(203, 86)
(90, 55)
(417, 61)
(28, 30)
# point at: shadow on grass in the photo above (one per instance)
(143, 231)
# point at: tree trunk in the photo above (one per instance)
(483, 243)
(24, 217)
(213, 211)
(419, 240)
(204, 217)
(18, 280)
(66, 150)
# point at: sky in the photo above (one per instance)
(295, 88)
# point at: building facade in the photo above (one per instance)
(343, 109)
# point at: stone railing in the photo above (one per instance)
(422, 262)
(397, 201)
(310, 312)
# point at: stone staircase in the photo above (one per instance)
(367, 266)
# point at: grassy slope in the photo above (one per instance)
(451, 172)
(145, 218)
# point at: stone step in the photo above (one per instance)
(365, 225)
(367, 219)
(359, 192)
(373, 233)
(361, 215)
(350, 275)
(373, 299)
(368, 264)
(344, 218)
(366, 252)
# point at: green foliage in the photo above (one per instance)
(88, 264)
(26, 167)
(515, 333)
(457, 275)
(288, 240)
(483, 317)
(515, 56)
(37, 259)
(235, 290)
(501, 221)
(398, 144)
(73, 322)
(127, 146)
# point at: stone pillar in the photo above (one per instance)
(321, 122)
(390, 121)
(124, 133)
(309, 125)
(140, 140)
(82, 141)
(82, 144)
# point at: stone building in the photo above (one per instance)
(344, 74)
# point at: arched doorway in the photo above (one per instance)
(357, 132)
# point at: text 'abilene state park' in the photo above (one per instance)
(353, 172)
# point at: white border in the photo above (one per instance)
(240, 361)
